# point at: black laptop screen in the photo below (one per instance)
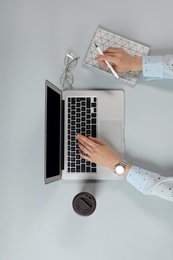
(53, 124)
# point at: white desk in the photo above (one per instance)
(37, 221)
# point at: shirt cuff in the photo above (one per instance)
(138, 178)
(152, 67)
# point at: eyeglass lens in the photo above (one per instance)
(67, 79)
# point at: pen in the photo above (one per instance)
(108, 64)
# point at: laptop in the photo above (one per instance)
(97, 113)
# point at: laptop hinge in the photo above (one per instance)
(62, 135)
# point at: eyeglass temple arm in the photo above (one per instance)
(68, 55)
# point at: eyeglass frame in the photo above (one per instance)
(67, 73)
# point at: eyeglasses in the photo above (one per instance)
(67, 77)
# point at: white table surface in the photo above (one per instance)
(36, 220)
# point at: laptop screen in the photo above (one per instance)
(52, 135)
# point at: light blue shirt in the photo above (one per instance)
(151, 183)
(157, 67)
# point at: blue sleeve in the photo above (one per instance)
(157, 67)
(151, 183)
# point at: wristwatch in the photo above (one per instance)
(120, 168)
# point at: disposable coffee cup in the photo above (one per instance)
(84, 204)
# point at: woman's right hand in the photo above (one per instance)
(120, 60)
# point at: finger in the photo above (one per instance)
(84, 148)
(112, 49)
(97, 140)
(86, 145)
(85, 140)
(85, 156)
(103, 63)
(106, 57)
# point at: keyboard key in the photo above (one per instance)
(73, 100)
(88, 169)
(93, 164)
(88, 104)
(82, 167)
(94, 105)
(93, 130)
(93, 121)
(78, 168)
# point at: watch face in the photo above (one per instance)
(119, 169)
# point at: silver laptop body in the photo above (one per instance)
(110, 128)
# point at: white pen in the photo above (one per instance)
(108, 64)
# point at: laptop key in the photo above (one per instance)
(78, 168)
(88, 103)
(94, 105)
(93, 121)
(88, 169)
(73, 100)
(82, 167)
(93, 130)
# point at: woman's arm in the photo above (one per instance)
(153, 67)
(148, 183)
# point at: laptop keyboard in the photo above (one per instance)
(82, 119)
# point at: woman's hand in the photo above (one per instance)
(121, 60)
(95, 150)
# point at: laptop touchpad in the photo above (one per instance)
(111, 133)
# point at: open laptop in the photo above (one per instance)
(97, 113)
